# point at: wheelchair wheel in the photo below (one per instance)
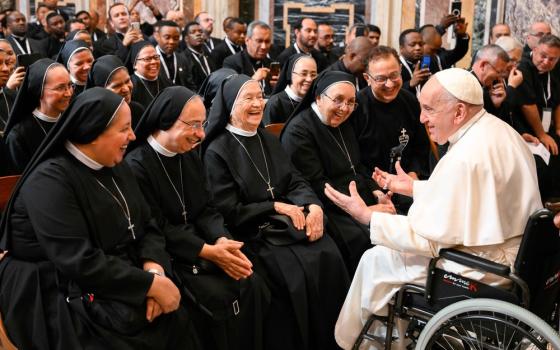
(487, 324)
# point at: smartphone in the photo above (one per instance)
(426, 60)
(135, 25)
(274, 68)
(27, 59)
(553, 206)
(456, 8)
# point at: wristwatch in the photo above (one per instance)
(156, 272)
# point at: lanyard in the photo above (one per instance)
(205, 70)
(211, 46)
(405, 65)
(165, 65)
(261, 82)
(546, 98)
(26, 45)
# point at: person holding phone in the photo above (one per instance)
(125, 35)
(413, 74)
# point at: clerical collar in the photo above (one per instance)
(81, 156)
(453, 139)
(239, 131)
(20, 38)
(159, 148)
(321, 117)
(45, 117)
(76, 81)
(163, 54)
(291, 94)
(193, 50)
(143, 77)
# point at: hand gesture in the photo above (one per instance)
(260, 74)
(228, 256)
(16, 78)
(419, 75)
(498, 94)
(515, 78)
(293, 212)
(447, 20)
(132, 36)
(400, 183)
(353, 204)
(461, 27)
(314, 223)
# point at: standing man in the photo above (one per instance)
(411, 46)
(53, 6)
(355, 61)
(96, 34)
(207, 23)
(174, 66)
(36, 30)
(374, 34)
(233, 43)
(200, 63)
(21, 43)
(119, 42)
(325, 42)
(254, 61)
(499, 30)
(56, 30)
(305, 30)
(535, 32)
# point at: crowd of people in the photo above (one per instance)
(155, 211)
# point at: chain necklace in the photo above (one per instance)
(124, 208)
(40, 125)
(267, 181)
(181, 197)
(147, 89)
(344, 150)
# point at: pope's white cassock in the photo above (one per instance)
(478, 200)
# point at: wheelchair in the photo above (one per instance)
(454, 312)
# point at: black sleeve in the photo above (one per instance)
(17, 151)
(63, 234)
(450, 57)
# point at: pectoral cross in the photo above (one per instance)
(270, 189)
(403, 132)
(131, 228)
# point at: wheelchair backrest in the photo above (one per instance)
(538, 262)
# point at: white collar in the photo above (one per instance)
(19, 37)
(45, 117)
(239, 131)
(81, 156)
(463, 130)
(143, 77)
(315, 109)
(292, 94)
(162, 53)
(159, 148)
(76, 81)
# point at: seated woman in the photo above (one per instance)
(324, 148)
(294, 81)
(143, 65)
(172, 178)
(254, 183)
(110, 73)
(77, 57)
(89, 272)
(45, 93)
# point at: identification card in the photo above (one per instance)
(546, 118)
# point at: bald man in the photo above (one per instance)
(355, 60)
(466, 203)
(433, 45)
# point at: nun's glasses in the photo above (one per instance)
(196, 125)
(61, 88)
(304, 74)
(339, 102)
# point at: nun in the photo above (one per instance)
(90, 272)
(324, 149)
(44, 94)
(77, 57)
(143, 63)
(227, 299)
(110, 73)
(210, 85)
(83, 35)
(267, 205)
(294, 81)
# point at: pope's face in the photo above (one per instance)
(437, 113)
(248, 109)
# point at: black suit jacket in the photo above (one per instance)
(320, 59)
(339, 66)
(113, 45)
(196, 72)
(449, 57)
(220, 53)
(183, 76)
(242, 63)
(36, 46)
(215, 42)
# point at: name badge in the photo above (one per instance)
(546, 118)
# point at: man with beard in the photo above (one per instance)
(355, 61)
(55, 29)
(411, 50)
(325, 42)
(21, 44)
(305, 30)
(233, 43)
(201, 65)
(207, 24)
(175, 67)
(254, 61)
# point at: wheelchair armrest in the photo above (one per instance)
(475, 262)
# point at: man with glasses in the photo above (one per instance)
(354, 61)
(535, 32)
(539, 111)
(387, 121)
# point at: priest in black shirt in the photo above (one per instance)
(41, 99)
(201, 65)
(354, 61)
(91, 271)
(168, 168)
(323, 147)
(254, 184)
(143, 63)
(295, 80)
(254, 61)
(414, 75)
(19, 38)
(124, 36)
(233, 43)
(174, 66)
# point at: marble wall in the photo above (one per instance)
(519, 14)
